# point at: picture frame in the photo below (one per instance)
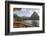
(21, 5)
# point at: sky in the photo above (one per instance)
(24, 12)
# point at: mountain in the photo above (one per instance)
(17, 18)
(33, 17)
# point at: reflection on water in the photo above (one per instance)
(32, 23)
(26, 23)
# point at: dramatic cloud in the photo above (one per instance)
(27, 12)
(24, 12)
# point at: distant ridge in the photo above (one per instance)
(33, 17)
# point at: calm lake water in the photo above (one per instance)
(26, 23)
(32, 22)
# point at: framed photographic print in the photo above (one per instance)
(24, 17)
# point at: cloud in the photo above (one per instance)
(24, 12)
